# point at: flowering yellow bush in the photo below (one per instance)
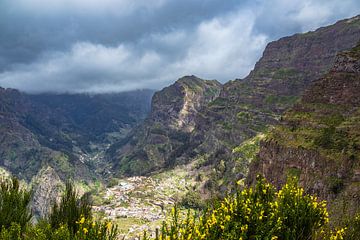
(259, 212)
(90, 229)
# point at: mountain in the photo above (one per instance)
(214, 131)
(318, 140)
(64, 130)
(247, 106)
(235, 117)
(166, 131)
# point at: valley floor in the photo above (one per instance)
(142, 203)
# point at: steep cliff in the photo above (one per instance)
(247, 107)
(318, 140)
(165, 133)
(287, 67)
(183, 129)
(47, 188)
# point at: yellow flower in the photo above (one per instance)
(82, 220)
(85, 230)
(108, 226)
(244, 228)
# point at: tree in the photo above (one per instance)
(14, 204)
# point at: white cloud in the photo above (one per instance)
(85, 68)
(303, 15)
(224, 47)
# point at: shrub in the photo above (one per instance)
(70, 219)
(70, 209)
(88, 230)
(14, 203)
(192, 199)
(353, 226)
(259, 212)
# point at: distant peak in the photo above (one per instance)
(191, 80)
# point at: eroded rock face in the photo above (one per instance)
(244, 107)
(318, 139)
(176, 106)
(47, 188)
(347, 62)
(285, 70)
(248, 106)
(165, 133)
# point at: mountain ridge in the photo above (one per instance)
(167, 128)
(318, 140)
(246, 107)
(58, 129)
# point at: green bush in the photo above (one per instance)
(353, 228)
(192, 199)
(14, 203)
(70, 209)
(258, 212)
(71, 219)
(88, 230)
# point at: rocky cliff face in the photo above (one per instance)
(182, 128)
(318, 140)
(177, 106)
(286, 69)
(165, 133)
(47, 188)
(248, 106)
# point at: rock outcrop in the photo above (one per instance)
(318, 140)
(287, 67)
(165, 133)
(47, 189)
(178, 131)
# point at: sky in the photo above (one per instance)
(103, 46)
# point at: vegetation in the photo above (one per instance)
(70, 219)
(192, 199)
(14, 203)
(70, 209)
(259, 212)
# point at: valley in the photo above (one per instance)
(139, 153)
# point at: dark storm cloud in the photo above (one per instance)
(30, 27)
(118, 45)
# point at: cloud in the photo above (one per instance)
(225, 47)
(121, 45)
(94, 7)
(220, 48)
(277, 18)
(85, 68)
